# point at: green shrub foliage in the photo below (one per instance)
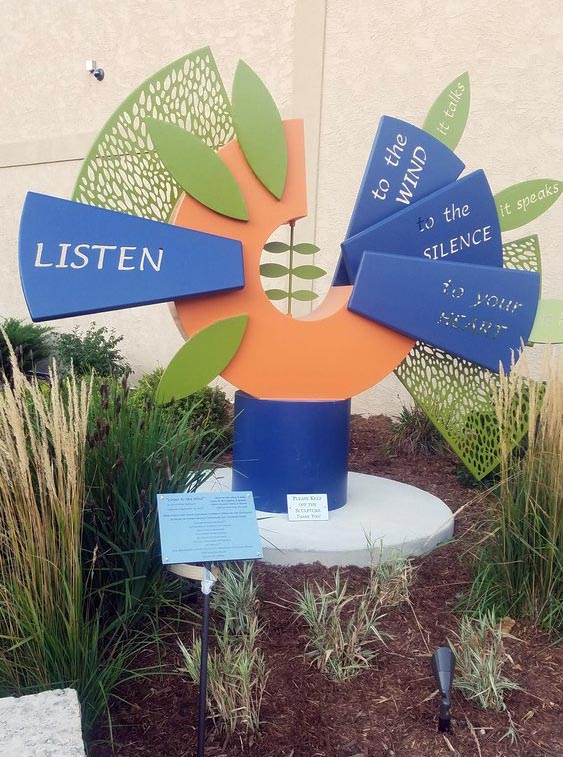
(31, 344)
(94, 350)
(208, 409)
(135, 451)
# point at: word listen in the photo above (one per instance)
(79, 256)
(411, 178)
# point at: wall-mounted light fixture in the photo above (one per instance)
(92, 68)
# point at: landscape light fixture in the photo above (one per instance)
(92, 68)
(443, 664)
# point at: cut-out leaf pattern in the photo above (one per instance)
(309, 272)
(521, 203)
(273, 270)
(456, 394)
(447, 118)
(121, 172)
(197, 169)
(522, 254)
(276, 247)
(277, 294)
(305, 248)
(304, 295)
(259, 129)
(201, 359)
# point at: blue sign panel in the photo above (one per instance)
(77, 259)
(479, 313)
(458, 223)
(208, 527)
(405, 165)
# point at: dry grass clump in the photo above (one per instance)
(521, 570)
(480, 658)
(42, 448)
(342, 628)
(237, 672)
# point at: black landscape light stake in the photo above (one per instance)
(443, 664)
(207, 582)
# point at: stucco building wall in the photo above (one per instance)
(341, 64)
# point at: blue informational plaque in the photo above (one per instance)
(479, 313)
(77, 259)
(208, 527)
(405, 165)
(458, 223)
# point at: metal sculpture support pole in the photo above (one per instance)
(206, 586)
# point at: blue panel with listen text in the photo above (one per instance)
(458, 223)
(76, 259)
(480, 313)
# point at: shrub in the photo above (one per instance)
(237, 677)
(341, 628)
(95, 350)
(133, 453)
(237, 672)
(520, 570)
(79, 564)
(413, 433)
(480, 658)
(235, 599)
(31, 344)
(51, 633)
(208, 408)
(389, 580)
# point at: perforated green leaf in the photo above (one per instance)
(276, 294)
(276, 247)
(259, 129)
(197, 169)
(122, 170)
(201, 359)
(305, 248)
(308, 272)
(457, 395)
(304, 295)
(273, 270)
(447, 118)
(522, 254)
(521, 203)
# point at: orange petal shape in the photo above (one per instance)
(328, 355)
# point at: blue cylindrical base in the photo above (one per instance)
(286, 447)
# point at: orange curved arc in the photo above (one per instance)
(331, 353)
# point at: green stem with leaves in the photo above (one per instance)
(290, 277)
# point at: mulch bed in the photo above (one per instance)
(389, 710)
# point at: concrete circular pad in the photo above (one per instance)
(398, 518)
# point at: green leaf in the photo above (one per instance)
(447, 117)
(309, 272)
(521, 203)
(548, 323)
(276, 247)
(276, 294)
(259, 129)
(304, 248)
(201, 359)
(304, 295)
(198, 169)
(273, 270)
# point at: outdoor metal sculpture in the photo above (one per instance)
(193, 186)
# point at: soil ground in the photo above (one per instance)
(390, 710)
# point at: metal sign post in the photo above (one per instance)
(207, 581)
